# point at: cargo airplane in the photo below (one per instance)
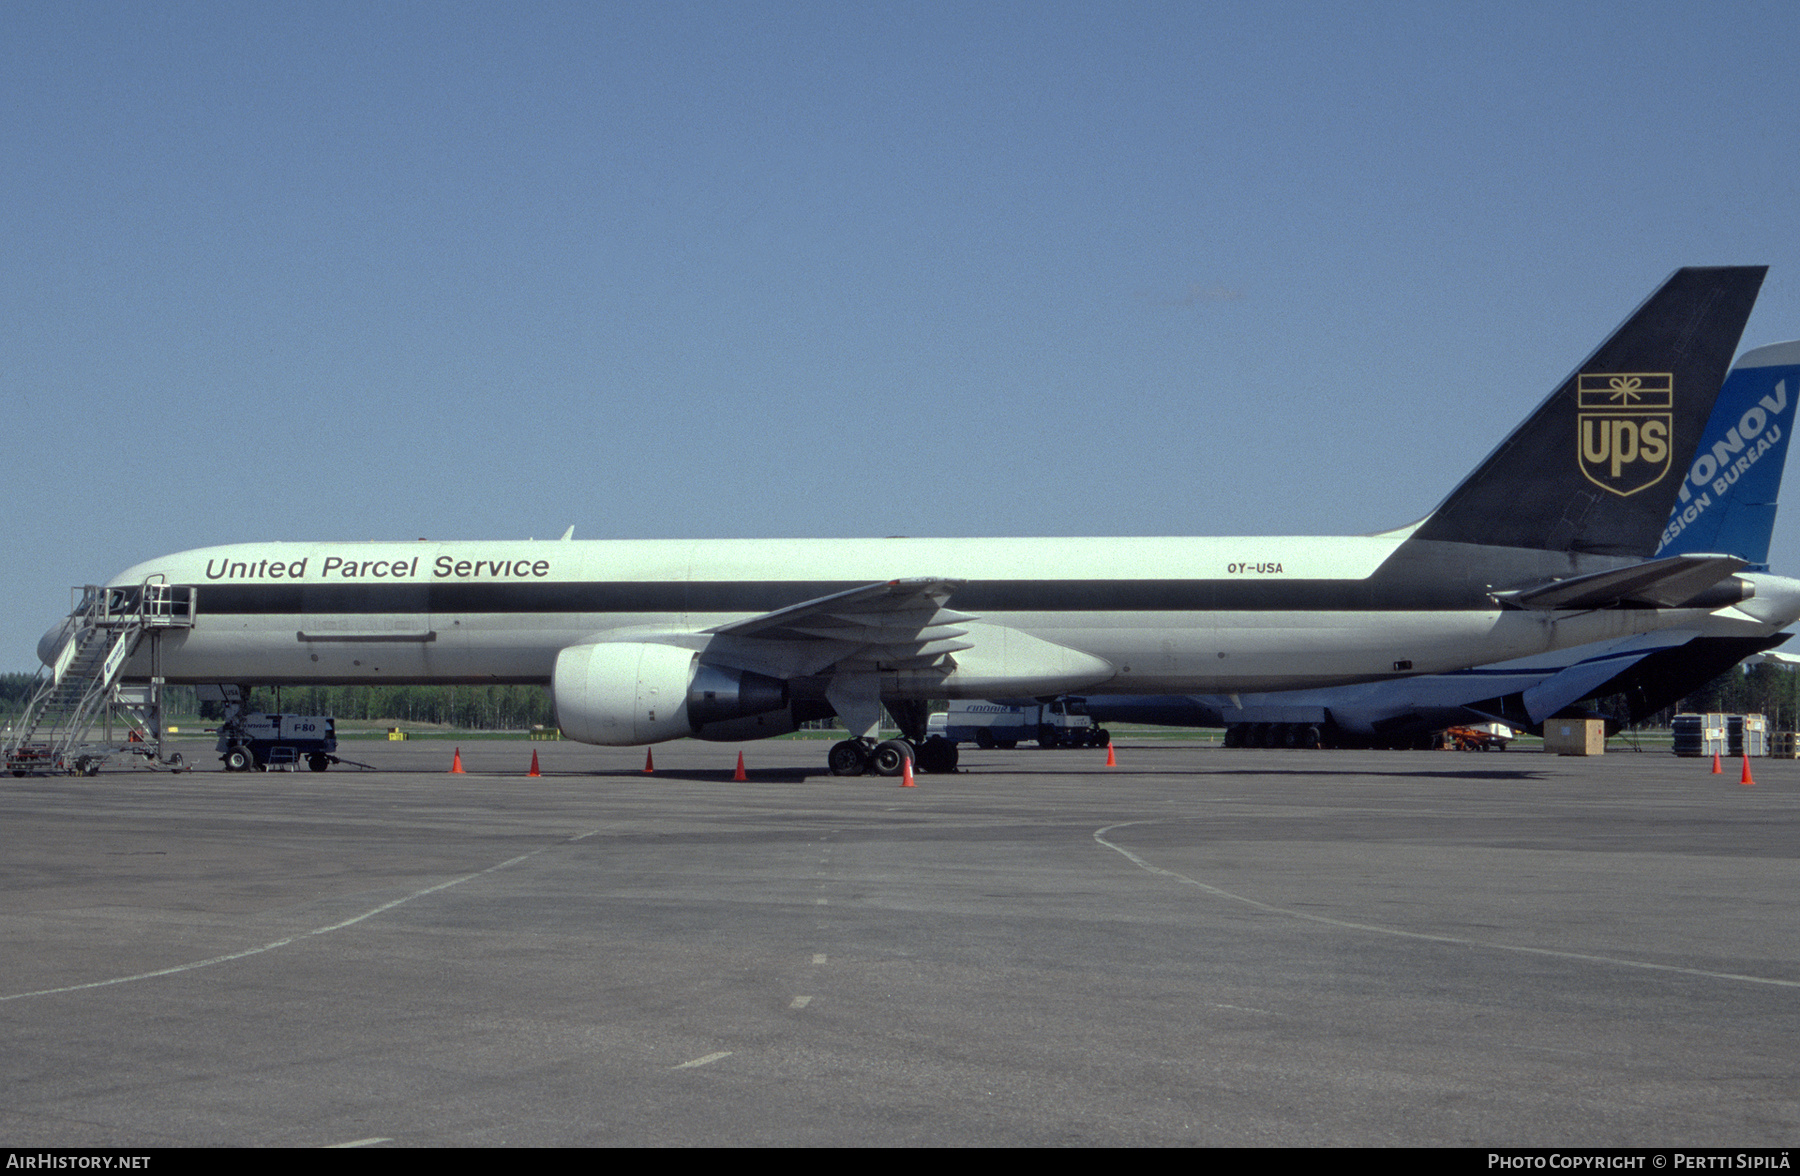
(1545, 545)
(1726, 503)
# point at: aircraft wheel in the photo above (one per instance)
(890, 757)
(318, 761)
(239, 759)
(936, 754)
(849, 758)
(1234, 735)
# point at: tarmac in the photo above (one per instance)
(1197, 946)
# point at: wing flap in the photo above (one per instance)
(899, 624)
(909, 603)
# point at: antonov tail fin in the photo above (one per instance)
(1726, 502)
(1597, 467)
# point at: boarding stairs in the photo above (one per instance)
(80, 689)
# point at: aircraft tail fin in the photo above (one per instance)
(1596, 468)
(1726, 501)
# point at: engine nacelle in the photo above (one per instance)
(623, 693)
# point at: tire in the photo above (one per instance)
(1047, 736)
(984, 739)
(239, 759)
(891, 757)
(1102, 738)
(318, 761)
(849, 758)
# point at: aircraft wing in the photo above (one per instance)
(896, 623)
(1661, 583)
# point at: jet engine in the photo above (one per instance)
(623, 693)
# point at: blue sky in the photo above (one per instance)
(365, 271)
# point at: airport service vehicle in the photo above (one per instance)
(1545, 545)
(259, 741)
(1476, 737)
(988, 723)
(1726, 503)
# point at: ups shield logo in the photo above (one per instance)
(1623, 426)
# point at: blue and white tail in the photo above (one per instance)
(1726, 504)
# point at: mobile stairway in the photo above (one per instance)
(79, 715)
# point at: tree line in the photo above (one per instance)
(478, 708)
(1744, 690)
(481, 708)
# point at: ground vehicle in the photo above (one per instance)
(263, 741)
(1010, 723)
(1477, 737)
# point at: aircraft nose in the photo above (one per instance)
(51, 643)
(1777, 600)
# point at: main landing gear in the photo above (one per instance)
(857, 757)
(856, 697)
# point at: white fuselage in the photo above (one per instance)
(1161, 614)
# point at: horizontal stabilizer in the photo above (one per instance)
(1659, 583)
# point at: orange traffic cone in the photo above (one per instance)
(649, 762)
(1746, 778)
(1717, 770)
(1112, 761)
(534, 768)
(906, 780)
(739, 774)
(456, 764)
